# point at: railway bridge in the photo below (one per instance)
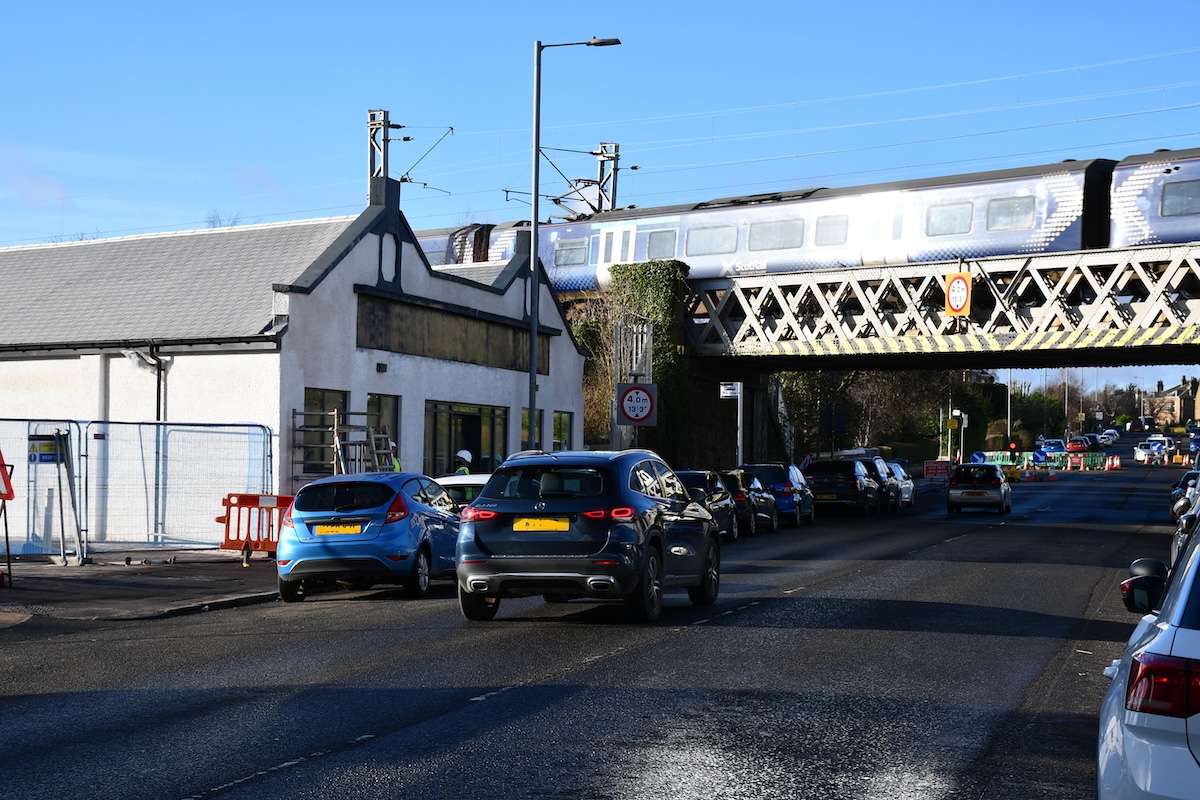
(1079, 309)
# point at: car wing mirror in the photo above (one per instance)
(697, 494)
(1142, 594)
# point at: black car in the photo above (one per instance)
(586, 524)
(755, 505)
(717, 497)
(793, 497)
(844, 483)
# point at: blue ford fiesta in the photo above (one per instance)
(360, 530)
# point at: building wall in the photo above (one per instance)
(320, 351)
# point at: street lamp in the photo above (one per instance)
(534, 289)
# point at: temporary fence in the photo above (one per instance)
(134, 485)
(252, 522)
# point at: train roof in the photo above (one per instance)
(1070, 165)
(1159, 156)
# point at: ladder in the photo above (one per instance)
(383, 451)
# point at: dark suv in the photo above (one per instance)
(846, 483)
(793, 497)
(600, 525)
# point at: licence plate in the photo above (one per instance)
(827, 497)
(325, 530)
(541, 524)
(975, 494)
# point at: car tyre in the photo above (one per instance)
(812, 515)
(710, 579)
(753, 525)
(796, 519)
(734, 532)
(774, 519)
(477, 607)
(416, 585)
(644, 603)
(291, 591)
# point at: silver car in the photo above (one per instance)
(978, 486)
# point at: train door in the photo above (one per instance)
(883, 240)
(616, 245)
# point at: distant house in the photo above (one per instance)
(1175, 405)
(314, 335)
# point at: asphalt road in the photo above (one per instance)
(914, 655)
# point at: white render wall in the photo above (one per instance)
(319, 351)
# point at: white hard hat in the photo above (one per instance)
(465, 455)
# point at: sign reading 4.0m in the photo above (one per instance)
(637, 404)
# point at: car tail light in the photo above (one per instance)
(397, 511)
(472, 514)
(619, 514)
(286, 522)
(787, 490)
(1163, 685)
(740, 497)
(954, 481)
(996, 483)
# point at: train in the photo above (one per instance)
(1143, 200)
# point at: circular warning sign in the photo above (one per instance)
(958, 294)
(637, 404)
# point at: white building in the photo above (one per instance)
(280, 328)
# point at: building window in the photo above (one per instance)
(324, 411)
(480, 430)
(949, 219)
(660, 245)
(832, 229)
(383, 416)
(537, 443)
(1181, 198)
(562, 430)
(1010, 213)
(712, 241)
(777, 234)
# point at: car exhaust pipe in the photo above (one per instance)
(601, 584)
(478, 585)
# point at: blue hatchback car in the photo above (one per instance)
(793, 496)
(363, 529)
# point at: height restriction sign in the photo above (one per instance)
(637, 404)
(958, 294)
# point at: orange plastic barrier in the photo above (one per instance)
(252, 522)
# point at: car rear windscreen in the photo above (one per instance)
(343, 496)
(769, 474)
(527, 482)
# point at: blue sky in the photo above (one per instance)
(135, 117)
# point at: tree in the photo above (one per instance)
(215, 220)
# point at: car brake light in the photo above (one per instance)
(397, 511)
(1163, 685)
(996, 483)
(954, 481)
(740, 497)
(787, 489)
(286, 522)
(472, 514)
(620, 513)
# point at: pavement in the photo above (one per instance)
(133, 585)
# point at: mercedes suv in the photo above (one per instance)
(595, 525)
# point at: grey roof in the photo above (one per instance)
(188, 285)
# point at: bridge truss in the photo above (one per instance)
(1089, 308)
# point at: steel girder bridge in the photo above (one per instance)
(1080, 309)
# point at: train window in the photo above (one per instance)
(570, 252)
(1180, 198)
(711, 241)
(660, 244)
(949, 219)
(831, 230)
(777, 235)
(1010, 213)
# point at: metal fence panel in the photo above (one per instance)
(138, 485)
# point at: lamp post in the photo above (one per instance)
(534, 278)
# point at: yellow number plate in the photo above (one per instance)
(827, 497)
(541, 524)
(324, 530)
